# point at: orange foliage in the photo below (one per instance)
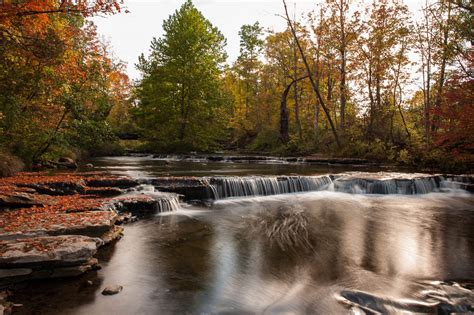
(71, 211)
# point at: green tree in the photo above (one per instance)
(181, 102)
(247, 69)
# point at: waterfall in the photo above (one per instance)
(219, 187)
(394, 183)
(171, 203)
(426, 185)
(224, 187)
(164, 201)
(354, 183)
(145, 199)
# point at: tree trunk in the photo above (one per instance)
(284, 119)
(442, 74)
(284, 135)
(182, 126)
(45, 146)
(342, 83)
(295, 91)
(372, 101)
(313, 83)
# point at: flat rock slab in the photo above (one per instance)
(120, 182)
(23, 200)
(57, 188)
(65, 250)
(15, 272)
(38, 221)
(104, 191)
(192, 188)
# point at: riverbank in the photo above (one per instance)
(52, 226)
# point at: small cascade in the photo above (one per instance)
(168, 204)
(370, 186)
(194, 189)
(225, 187)
(394, 183)
(145, 201)
(165, 202)
(426, 185)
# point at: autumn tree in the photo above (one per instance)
(55, 80)
(383, 54)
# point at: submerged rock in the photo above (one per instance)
(112, 289)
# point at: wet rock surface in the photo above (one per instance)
(52, 226)
(216, 187)
(112, 290)
(189, 187)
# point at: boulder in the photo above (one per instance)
(112, 289)
(9, 164)
(65, 162)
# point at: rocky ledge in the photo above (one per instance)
(47, 257)
(52, 225)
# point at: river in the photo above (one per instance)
(314, 252)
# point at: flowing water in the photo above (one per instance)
(315, 244)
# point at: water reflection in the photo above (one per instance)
(148, 167)
(321, 252)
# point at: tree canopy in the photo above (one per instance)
(182, 104)
(348, 79)
(58, 81)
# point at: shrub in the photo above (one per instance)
(9, 164)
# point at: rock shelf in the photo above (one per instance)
(52, 225)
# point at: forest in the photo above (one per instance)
(350, 79)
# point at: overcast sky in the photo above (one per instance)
(130, 34)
